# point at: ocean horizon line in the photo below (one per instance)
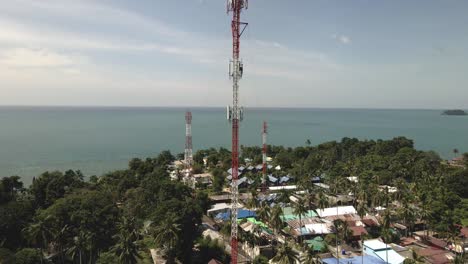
(220, 107)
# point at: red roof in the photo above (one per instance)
(464, 232)
(214, 261)
(439, 259)
(437, 242)
(435, 255)
(426, 252)
(358, 230)
(369, 222)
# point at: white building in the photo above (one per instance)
(380, 250)
(332, 211)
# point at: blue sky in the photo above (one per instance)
(301, 53)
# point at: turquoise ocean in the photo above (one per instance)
(96, 140)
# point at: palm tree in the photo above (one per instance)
(284, 196)
(361, 209)
(276, 221)
(337, 225)
(80, 243)
(322, 200)
(310, 257)
(166, 235)
(417, 259)
(257, 231)
(363, 195)
(38, 234)
(407, 214)
(425, 215)
(460, 259)
(387, 236)
(300, 209)
(455, 152)
(130, 225)
(386, 219)
(253, 203)
(346, 233)
(59, 237)
(402, 189)
(249, 238)
(90, 245)
(263, 212)
(126, 248)
(285, 255)
(310, 198)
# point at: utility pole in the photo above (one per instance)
(235, 112)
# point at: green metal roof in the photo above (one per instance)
(317, 243)
(288, 214)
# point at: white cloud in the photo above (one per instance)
(342, 38)
(57, 60)
(23, 57)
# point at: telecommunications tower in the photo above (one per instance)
(188, 156)
(235, 112)
(264, 156)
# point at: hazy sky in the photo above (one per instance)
(308, 53)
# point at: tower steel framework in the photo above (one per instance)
(188, 155)
(235, 112)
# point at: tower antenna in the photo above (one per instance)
(235, 112)
(264, 156)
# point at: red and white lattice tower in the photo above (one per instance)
(264, 156)
(235, 112)
(188, 156)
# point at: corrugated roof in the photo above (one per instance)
(241, 213)
(375, 244)
(317, 243)
(272, 179)
(391, 255)
(288, 214)
(317, 229)
(340, 210)
(358, 230)
(284, 179)
(354, 260)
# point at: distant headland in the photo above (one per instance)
(456, 112)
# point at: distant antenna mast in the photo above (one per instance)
(188, 156)
(235, 112)
(264, 155)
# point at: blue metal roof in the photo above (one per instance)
(241, 214)
(316, 179)
(272, 179)
(354, 260)
(284, 179)
(241, 180)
